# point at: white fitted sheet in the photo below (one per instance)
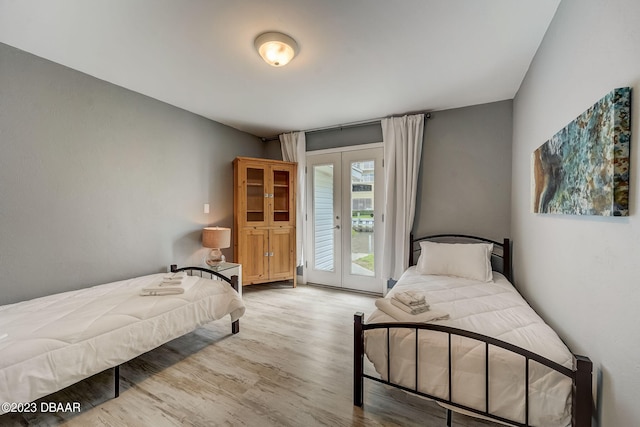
(58, 340)
(495, 309)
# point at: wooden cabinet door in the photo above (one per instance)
(252, 180)
(253, 253)
(282, 251)
(281, 190)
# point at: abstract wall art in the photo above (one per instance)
(584, 168)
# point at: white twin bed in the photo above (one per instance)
(52, 342)
(529, 378)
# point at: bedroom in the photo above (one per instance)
(75, 231)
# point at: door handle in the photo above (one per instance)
(337, 227)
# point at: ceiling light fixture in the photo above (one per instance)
(276, 49)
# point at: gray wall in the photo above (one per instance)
(272, 150)
(332, 138)
(98, 183)
(582, 273)
(344, 137)
(465, 178)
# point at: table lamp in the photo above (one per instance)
(216, 238)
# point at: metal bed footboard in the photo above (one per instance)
(580, 375)
(233, 281)
(235, 326)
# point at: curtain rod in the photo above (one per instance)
(427, 115)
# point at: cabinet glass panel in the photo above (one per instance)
(255, 194)
(281, 196)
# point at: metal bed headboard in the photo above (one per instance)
(500, 258)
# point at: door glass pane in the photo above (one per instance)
(362, 232)
(281, 196)
(255, 194)
(323, 213)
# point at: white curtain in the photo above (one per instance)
(402, 138)
(294, 148)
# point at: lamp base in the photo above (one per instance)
(215, 258)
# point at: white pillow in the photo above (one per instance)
(468, 260)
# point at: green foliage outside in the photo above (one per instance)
(361, 214)
(366, 262)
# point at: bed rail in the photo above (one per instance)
(580, 375)
(233, 281)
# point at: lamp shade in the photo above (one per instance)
(216, 237)
(276, 49)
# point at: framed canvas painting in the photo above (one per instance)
(584, 168)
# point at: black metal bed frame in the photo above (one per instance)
(233, 281)
(235, 326)
(580, 375)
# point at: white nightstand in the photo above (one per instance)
(229, 269)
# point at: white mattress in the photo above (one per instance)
(495, 309)
(58, 340)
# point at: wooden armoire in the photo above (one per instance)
(264, 238)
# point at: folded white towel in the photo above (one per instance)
(411, 309)
(161, 290)
(385, 305)
(171, 282)
(410, 297)
(170, 289)
(176, 276)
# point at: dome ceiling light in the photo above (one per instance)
(276, 49)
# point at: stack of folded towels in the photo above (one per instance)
(413, 302)
(171, 284)
(409, 306)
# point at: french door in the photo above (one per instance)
(344, 218)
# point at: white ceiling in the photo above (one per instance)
(358, 60)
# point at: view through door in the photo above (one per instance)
(344, 212)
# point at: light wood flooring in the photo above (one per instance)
(290, 365)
